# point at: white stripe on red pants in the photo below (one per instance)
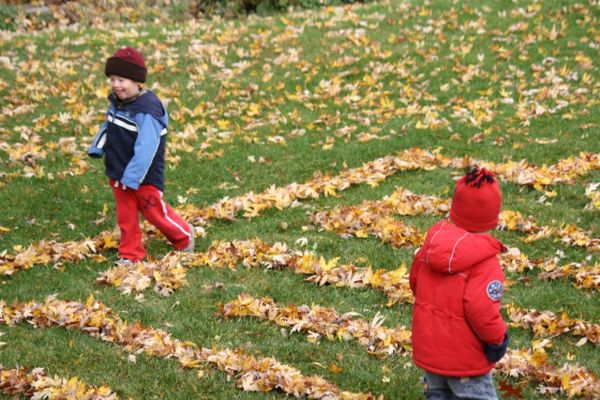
(147, 200)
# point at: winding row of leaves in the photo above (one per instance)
(317, 321)
(252, 204)
(169, 273)
(36, 385)
(547, 323)
(95, 319)
(533, 365)
(98, 321)
(376, 217)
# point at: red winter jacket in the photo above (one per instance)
(457, 281)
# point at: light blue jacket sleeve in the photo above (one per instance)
(145, 148)
(96, 149)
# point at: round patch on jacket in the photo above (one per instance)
(494, 290)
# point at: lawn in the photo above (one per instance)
(293, 141)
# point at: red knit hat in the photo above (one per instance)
(476, 202)
(128, 63)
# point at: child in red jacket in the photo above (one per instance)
(457, 331)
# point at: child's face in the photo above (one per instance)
(123, 88)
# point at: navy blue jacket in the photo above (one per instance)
(133, 140)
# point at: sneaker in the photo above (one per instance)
(124, 262)
(191, 245)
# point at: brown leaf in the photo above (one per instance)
(511, 391)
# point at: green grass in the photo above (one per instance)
(404, 54)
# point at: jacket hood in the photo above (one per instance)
(450, 249)
(147, 103)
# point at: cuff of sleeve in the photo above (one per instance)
(495, 352)
(130, 184)
(95, 152)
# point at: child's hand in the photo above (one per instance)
(495, 352)
(124, 186)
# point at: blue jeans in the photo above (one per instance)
(438, 387)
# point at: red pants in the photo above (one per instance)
(147, 200)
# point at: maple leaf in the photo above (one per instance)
(510, 391)
(327, 266)
(335, 368)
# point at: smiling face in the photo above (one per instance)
(123, 88)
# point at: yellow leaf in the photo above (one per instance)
(223, 124)
(101, 92)
(329, 191)
(368, 80)
(365, 137)
(421, 125)
(267, 77)
(361, 233)
(335, 369)
(399, 273)
(110, 242)
(328, 265)
(306, 264)
(465, 48)
(104, 391)
(539, 357)
(376, 280)
(72, 382)
(253, 109)
(545, 141)
(386, 102)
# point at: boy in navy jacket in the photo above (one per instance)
(132, 140)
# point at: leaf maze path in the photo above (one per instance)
(95, 319)
(529, 78)
(371, 216)
(317, 321)
(36, 384)
(252, 204)
(169, 273)
(376, 217)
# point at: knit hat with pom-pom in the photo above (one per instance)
(477, 201)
